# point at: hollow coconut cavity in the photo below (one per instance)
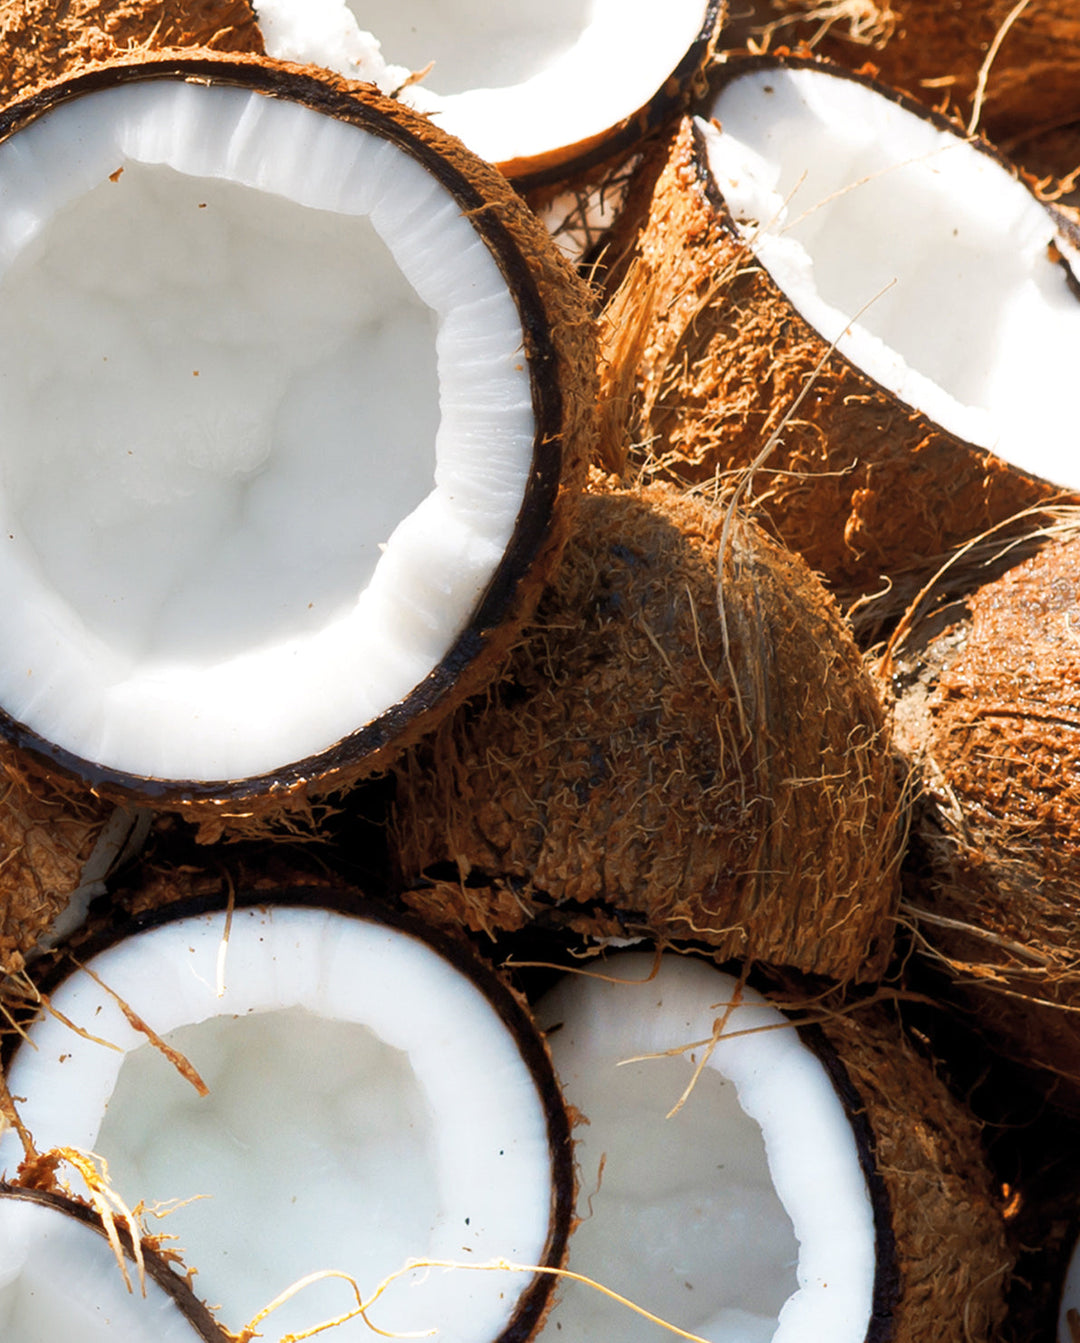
(292, 393)
(61, 1278)
(535, 89)
(811, 208)
(750, 1182)
(322, 1092)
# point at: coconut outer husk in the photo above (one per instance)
(43, 40)
(988, 709)
(687, 745)
(705, 360)
(560, 341)
(951, 1252)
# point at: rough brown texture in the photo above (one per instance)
(44, 40)
(951, 1249)
(704, 360)
(639, 769)
(992, 715)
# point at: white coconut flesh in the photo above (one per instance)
(512, 80)
(60, 1281)
(366, 1106)
(265, 428)
(922, 257)
(1069, 1305)
(742, 1218)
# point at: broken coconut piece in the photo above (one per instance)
(60, 1278)
(318, 393)
(319, 1092)
(687, 746)
(543, 91)
(987, 709)
(817, 207)
(747, 1181)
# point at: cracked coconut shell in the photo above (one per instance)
(705, 358)
(988, 709)
(687, 745)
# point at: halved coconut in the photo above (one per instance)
(60, 1278)
(688, 745)
(294, 394)
(813, 208)
(988, 709)
(317, 1092)
(543, 91)
(744, 1186)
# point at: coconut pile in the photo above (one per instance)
(540, 569)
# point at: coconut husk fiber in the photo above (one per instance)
(686, 744)
(952, 1257)
(44, 40)
(707, 363)
(989, 711)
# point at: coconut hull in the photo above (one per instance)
(705, 358)
(652, 762)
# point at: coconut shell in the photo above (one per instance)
(704, 357)
(560, 343)
(43, 40)
(670, 754)
(989, 711)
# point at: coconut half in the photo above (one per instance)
(333, 1093)
(61, 1279)
(317, 390)
(539, 90)
(809, 208)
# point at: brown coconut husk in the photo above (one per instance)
(988, 710)
(1010, 72)
(687, 745)
(43, 40)
(560, 342)
(707, 363)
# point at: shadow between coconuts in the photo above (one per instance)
(557, 335)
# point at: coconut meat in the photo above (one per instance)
(60, 1280)
(513, 81)
(265, 428)
(366, 1106)
(744, 1217)
(931, 267)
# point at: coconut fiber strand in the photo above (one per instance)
(706, 359)
(670, 753)
(992, 711)
(47, 39)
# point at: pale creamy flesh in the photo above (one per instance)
(742, 1218)
(265, 428)
(61, 1283)
(366, 1106)
(512, 80)
(1069, 1306)
(928, 263)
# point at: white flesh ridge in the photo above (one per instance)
(512, 80)
(366, 1106)
(265, 428)
(921, 256)
(61, 1283)
(742, 1218)
(1070, 1300)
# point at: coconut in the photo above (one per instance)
(64, 1273)
(687, 745)
(743, 1179)
(323, 1094)
(987, 707)
(319, 399)
(894, 402)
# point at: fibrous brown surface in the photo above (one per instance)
(687, 744)
(48, 39)
(992, 713)
(706, 360)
